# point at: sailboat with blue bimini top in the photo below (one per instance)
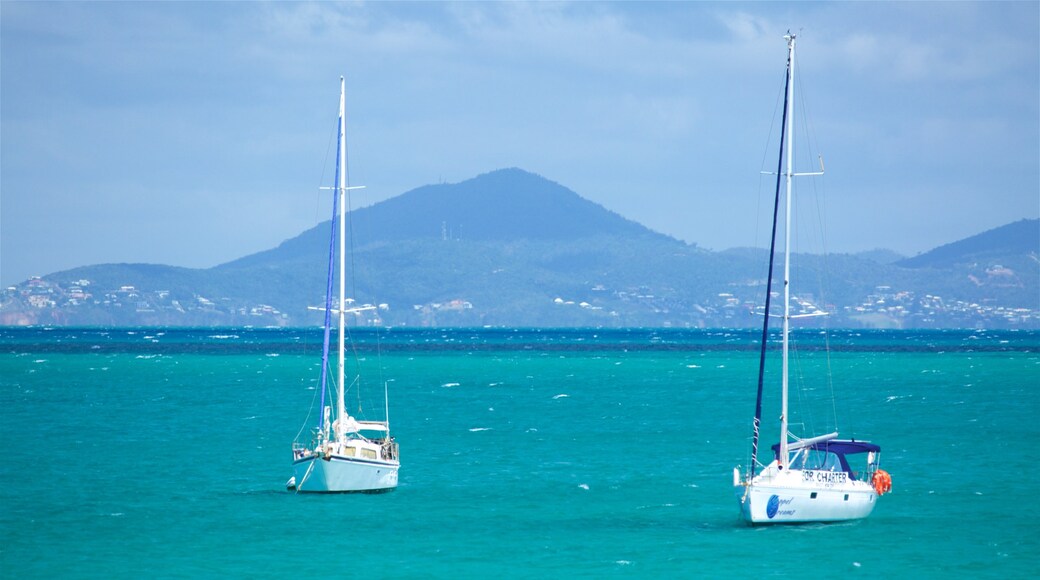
(343, 454)
(810, 479)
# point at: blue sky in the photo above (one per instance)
(191, 134)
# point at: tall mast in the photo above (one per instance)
(769, 292)
(787, 244)
(342, 192)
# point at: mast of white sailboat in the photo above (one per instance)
(787, 245)
(342, 192)
(769, 289)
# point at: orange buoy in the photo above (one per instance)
(882, 482)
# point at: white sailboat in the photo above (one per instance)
(809, 479)
(344, 454)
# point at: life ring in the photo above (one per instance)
(882, 482)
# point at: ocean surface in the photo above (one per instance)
(150, 452)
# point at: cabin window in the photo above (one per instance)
(816, 459)
(812, 495)
(348, 451)
(368, 453)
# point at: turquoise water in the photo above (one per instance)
(570, 453)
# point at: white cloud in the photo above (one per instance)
(665, 102)
(747, 27)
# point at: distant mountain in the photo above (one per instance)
(508, 204)
(881, 256)
(503, 205)
(507, 238)
(510, 248)
(1021, 237)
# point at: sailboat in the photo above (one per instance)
(344, 454)
(809, 479)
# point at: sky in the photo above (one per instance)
(191, 134)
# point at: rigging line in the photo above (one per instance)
(822, 283)
(350, 214)
(379, 353)
(798, 374)
(357, 365)
(830, 375)
(824, 293)
(807, 416)
(310, 468)
(357, 383)
(765, 152)
(328, 291)
(353, 269)
(820, 197)
(314, 397)
(324, 169)
(804, 237)
(808, 128)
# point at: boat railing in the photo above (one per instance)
(873, 464)
(299, 450)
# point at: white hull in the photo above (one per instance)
(343, 474)
(797, 496)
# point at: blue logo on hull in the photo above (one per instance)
(773, 506)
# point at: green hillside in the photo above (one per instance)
(510, 248)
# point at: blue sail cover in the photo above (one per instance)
(841, 447)
(328, 291)
(835, 449)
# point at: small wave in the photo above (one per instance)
(475, 429)
(40, 360)
(272, 354)
(693, 366)
(223, 336)
(449, 385)
(663, 505)
(623, 562)
(561, 396)
(584, 486)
